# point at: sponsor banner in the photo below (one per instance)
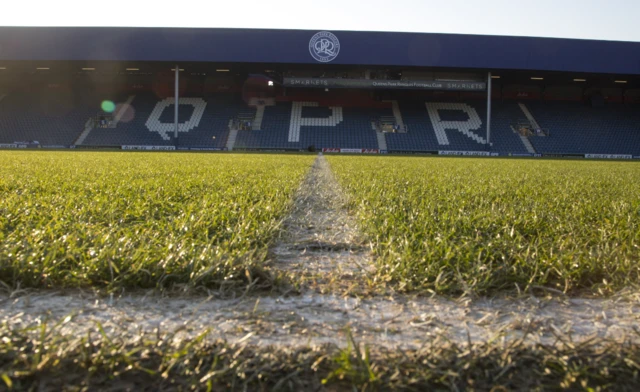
(55, 146)
(354, 150)
(607, 156)
(271, 149)
(13, 145)
(522, 155)
(205, 149)
(384, 152)
(466, 153)
(636, 157)
(90, 147)
(408, 152)
(358, 151)
(387, 84)
(150, 148)
(27, 145)
(563, 155)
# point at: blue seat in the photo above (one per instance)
(58, 118)
(580, 129)
(212, 130)
(50, 117)
(421, 135)
(354, 131)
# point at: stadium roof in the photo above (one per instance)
(295, 47)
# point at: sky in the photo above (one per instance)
(589, 19)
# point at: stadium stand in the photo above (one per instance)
(435, 131)
(204, 122)
(268, 89)
(580, 129)
(59, 118)
(503, 137)
(49, 117)
(300, 125)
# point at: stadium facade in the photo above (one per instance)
(341, 91)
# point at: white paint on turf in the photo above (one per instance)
(320, 236)
(313, 319)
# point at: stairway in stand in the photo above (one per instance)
(231, 140)
(88, 127)
(527, 144)
(382, 140)
(534, 124)
(529, 116)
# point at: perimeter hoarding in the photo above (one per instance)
(608, 156)
(385, 84)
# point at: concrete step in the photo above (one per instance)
(382, 141)
(231, 140)
(529, 116)
(396, 113)
(527, 144)
(257, 121)
(88, 127)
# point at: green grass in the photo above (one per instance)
(486, 225)
(44, 357)
(167, 220)
(141, 220)
(481, 226)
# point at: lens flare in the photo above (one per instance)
(108, 106)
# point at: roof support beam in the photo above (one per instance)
(175, 115)
(489, 110)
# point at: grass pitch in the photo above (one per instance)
(157, 220)
(481, 226)
(43, 358)
(146, 220)
(486, 225)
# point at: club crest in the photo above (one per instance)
(324, 46)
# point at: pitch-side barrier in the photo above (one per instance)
(13, 146)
